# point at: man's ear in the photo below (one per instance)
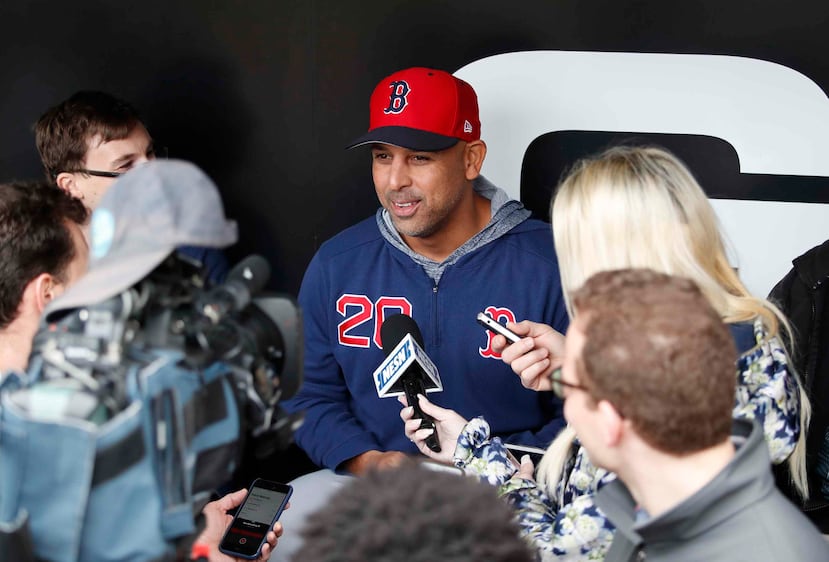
(66, 181)
(613, 424)
(474, 158)
(44, 289)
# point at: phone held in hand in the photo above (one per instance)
(496, 327)
(519, 451)
(441, 467)
(254, 518)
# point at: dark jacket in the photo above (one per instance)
(358, 276)
(802, 296)
(739, 515)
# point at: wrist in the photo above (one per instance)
(360, 464)
(200, 551)
(474, 435)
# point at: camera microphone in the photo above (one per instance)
(246, 279)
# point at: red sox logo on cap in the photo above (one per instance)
(397, 97)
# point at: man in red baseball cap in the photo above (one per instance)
(445, 245)
(426, 146)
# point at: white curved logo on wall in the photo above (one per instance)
(776, 119)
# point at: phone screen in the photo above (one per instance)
(254, 519)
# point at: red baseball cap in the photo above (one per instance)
(422, 109)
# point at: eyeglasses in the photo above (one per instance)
(100, 174)
(559, 385)
(97, 173)
(159, 153)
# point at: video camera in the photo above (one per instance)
(202, 371)
(88, 350)
(146, 384)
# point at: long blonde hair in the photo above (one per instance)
(641, 207)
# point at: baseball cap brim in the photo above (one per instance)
(405, 137)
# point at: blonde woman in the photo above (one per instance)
(629, 207)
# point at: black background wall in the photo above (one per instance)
(265, 95)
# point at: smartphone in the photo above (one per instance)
(496, 327)
(440, 467)
(521, 450)
(254, 518)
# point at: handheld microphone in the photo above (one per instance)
(246, 279)
(407, 369)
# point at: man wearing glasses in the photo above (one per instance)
(90, 139)
(648, 386)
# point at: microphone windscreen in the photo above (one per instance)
(395, 328)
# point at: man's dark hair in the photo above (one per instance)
(34, 238)
(657, 350)
(414, 514)
(62, 134)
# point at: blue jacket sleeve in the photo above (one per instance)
(330, 433)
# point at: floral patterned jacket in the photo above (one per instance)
(569, 526)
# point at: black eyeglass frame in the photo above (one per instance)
(101, 174)
(559, 385)
(159, 152)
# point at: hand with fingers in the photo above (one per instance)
(527, 469)
(539, 352)
(218, 519)
(448, 425)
